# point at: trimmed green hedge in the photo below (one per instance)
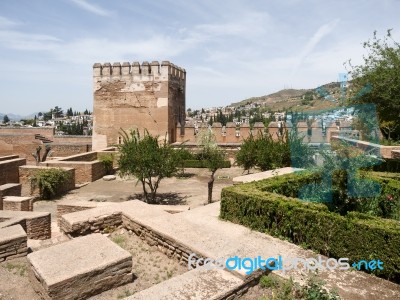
(388, 165)
(357, 236)
(202, 164)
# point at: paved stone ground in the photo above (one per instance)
(190, 189)
(202, 231)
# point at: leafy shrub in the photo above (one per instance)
(49, 182)
(314, 289)
(261, 206)
(108, 162)
(267, 153)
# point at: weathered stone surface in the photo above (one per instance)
(17, 203)
(109, 177)
(264, 175)
(142, 96)
(80, 268)
(197, 284)
(13, 242)
(36, 224)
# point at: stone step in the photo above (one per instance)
(197, 284)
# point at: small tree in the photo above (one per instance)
(212, 155)
(6, 119)
(246, 156)
(146, 159)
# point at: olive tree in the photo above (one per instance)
(148, 160)
(213, 156)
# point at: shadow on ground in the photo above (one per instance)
(164, 198)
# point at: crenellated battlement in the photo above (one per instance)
(154, 68)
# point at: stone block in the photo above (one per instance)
(80, 268)
(13, 242)
(17, 203)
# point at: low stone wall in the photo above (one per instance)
(67, 208)
(10, 189)
(9, 170)
(13, 242)
(164, 244)
(26, 172)
(385, 151)
(37, 225)
(8, 157)
(84, 171)
(60, 272)
(17, 203)
(101, 219)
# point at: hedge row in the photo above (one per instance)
(202, 164)
(388, 165)
(356, 236)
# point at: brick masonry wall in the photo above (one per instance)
(103, 223)
(39, 228)
(26, 172)
(13, 249)
(10, 190)
(84, 171)
(24, 205)
(9, 170)
(63, 209)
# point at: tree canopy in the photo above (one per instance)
(148, 160)
(377, 80)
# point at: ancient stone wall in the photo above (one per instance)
(21, 141)
(17, 203)
(26, 172)
(128, 96)
(13, 242)
(9, 170)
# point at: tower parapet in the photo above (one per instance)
(165, 69)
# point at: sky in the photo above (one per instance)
(231, 50)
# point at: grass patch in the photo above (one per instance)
(16, 268)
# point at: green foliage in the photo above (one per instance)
(286, 289)
(246, 157)
(147, 159)
(263, 207)
(108, 161)
(268, 153)
(6, 119)
(49, 182)
(212, 155)
(16, 268)
(377, 79)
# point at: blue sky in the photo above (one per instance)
(230, 51)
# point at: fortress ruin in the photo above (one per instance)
(130, 96)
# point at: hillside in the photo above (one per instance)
(323, 97)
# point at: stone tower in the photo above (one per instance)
(128, 96)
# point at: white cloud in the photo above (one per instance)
(5, 22)
(25, 41)
(93, 8)
(323, 31)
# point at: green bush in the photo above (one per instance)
(49, 182)
(108, 162)
(262, 207)
(202, 164)
(267, 152)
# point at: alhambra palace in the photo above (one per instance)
(85, 244)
